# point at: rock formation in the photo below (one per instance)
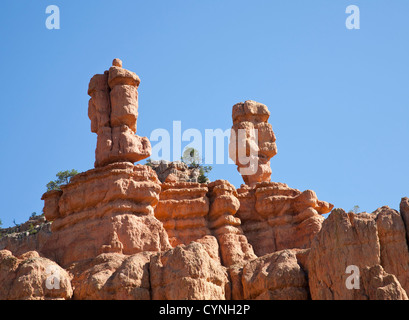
(404, 211)
(346, 240)
(113, 110)
(252, 142)
(275, 276)
(275, 217)
(29, 236)
(188, 272)
(31, 277)
(182, 209)
(234, 247)
(112, 276)
(176, 171)
(107, 209)
(394, 253)
(141, 232)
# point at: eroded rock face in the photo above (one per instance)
(112, 276)
(182, 208)
(394, 253)
(108, 209)
(175, 171)
(32, 239)
(276, 276)
(404, 211)
(113, 110)
(344, 240)
(188, 273)
(252, 141)
(275, 217)
(31, 277)
(224, 204)
(348, 240)
(379, 285)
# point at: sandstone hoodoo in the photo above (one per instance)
(252, 141)
(151, 231)
(113, 110)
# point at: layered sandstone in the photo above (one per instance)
(113, 110)
(223, 224)
(252, 141)
(23, 239)
(108, 209)
(182, 208)
(275, 217)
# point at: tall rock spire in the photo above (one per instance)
(113, 110)
(252, 142)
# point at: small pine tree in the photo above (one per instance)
(203, 170)
(63, 177)
(355, 210)
(149, 163)
(191, 157)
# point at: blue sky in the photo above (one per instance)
(338, 98)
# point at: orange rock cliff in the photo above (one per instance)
(124, 231)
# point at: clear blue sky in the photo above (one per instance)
(338, 98)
